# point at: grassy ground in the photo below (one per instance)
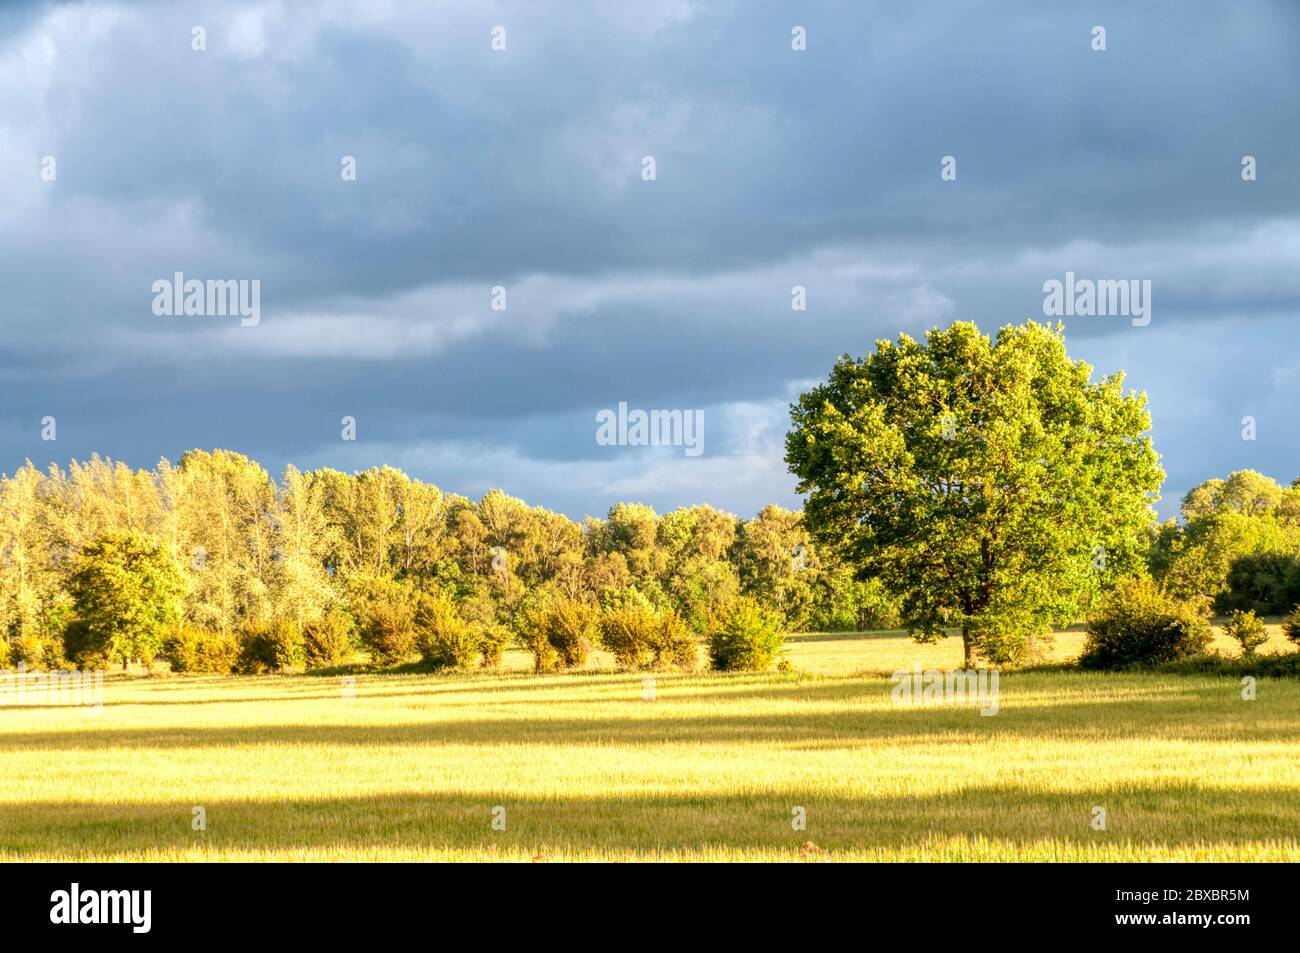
(287, 768)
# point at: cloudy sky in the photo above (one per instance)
(522, 169)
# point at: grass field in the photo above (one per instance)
(286, 768)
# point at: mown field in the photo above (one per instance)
(287, 768)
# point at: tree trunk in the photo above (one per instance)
(968, 647)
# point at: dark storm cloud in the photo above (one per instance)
(521, 169)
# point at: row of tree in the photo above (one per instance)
(1238, 545)
(249, 554)
(964, 483)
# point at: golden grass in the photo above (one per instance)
(412, 767)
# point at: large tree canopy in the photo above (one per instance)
(127, 594)
(992, 485)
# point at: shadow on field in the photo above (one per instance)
(798, 714)
(282, 688)
(1153, 815)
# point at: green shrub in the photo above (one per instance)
(443, 638)
(49, 653)
(1266, 665)
(1247, 630)
(559, 633)
(527, 627)
(1138, 623)
(1008, 636)
(330, 639)
(639, 637)
(480, 611)
(545, 658)
(748, 637)
(81, 646)
(674, 642)
(1009, 646)
(272, 648)
(386, 621)
(191, 649)
(628, 632)
(493, 637)
(1291, 625)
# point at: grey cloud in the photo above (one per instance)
(521, 169)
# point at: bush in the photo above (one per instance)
(627, 630)
(480, 611)
(493, 637)
(81, 646)
(674, 642)
(272, 648)
(1005, 635)
(191, 649)
(1247, 630)
(559, 633)
(443, 638)
(386, 621)
(1267, 665)
(1139, 624)
(748, 638)
(46, 650)
(639, 637)
(1011, 646)
(329, 640)
(1291, 625)
(43, 652)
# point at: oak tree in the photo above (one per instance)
(993, 485)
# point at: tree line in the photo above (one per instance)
(305, 569)
(964, 484)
